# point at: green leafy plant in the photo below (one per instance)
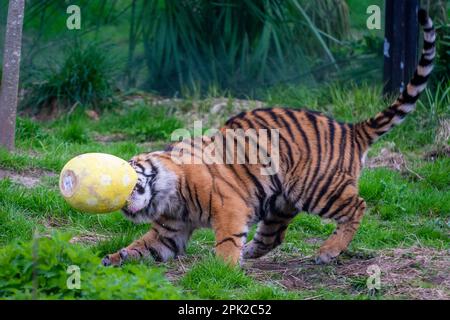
(38, 269)
(83, 79)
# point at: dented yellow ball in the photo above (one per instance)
(97, 182)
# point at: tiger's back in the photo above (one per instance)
(314, 151)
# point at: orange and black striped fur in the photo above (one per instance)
(320, 163)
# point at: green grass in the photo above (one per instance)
(405, 209)
(136, 125)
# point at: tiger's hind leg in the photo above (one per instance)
(267, 237)
(270, 232)
(348, 216)
(166, 239)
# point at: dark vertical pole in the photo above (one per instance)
(412, 39)
(400, 43)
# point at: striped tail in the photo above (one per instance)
(370, 130)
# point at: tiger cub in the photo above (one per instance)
(319, 166)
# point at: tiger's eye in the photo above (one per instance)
(140, 189)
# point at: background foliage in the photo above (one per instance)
(191, 45)
(180, 47)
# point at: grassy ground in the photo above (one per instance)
(405, 231)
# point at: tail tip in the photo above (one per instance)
(423, 16)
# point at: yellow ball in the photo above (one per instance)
(97, 182)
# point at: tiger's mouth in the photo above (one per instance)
(131, 206)
(133, 213)
(131, 209)
(137, 211)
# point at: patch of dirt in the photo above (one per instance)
(141, 97)
(93, 115)
(113, 137)
(212, 112)
(414, 273)
(443, 132)
(53, 222)
(432, 155)
(88, 238)
(387, 159)
(442, 149)
(28, 178)
(315, 241)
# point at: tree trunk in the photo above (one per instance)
(11, 68)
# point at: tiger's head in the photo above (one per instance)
(155, 192)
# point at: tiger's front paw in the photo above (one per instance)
(115, 259)
(327, 255)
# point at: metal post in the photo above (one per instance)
(400, 43)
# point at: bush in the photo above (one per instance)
(83, 78)
(238, 45)
(39, 270)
